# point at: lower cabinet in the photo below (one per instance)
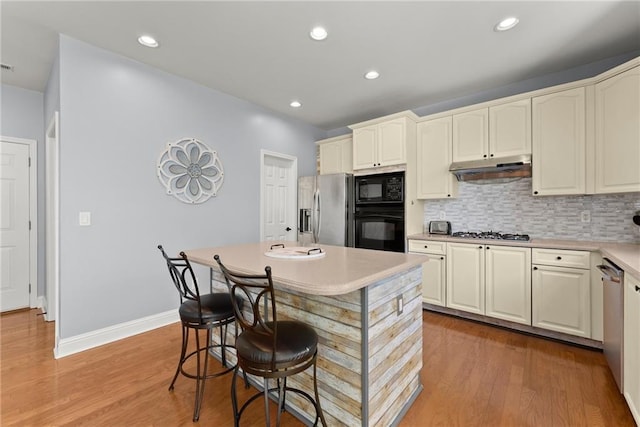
(631, 351)
(491, 280)
(561, 295)
(433, 270)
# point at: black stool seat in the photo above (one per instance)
(296, 342)
(215, 307)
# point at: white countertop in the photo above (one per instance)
(625, 255)
(341, 271)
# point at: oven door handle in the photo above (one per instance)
(365, 216)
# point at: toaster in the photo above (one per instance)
(439, 227)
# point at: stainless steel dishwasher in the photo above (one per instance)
(613, 315)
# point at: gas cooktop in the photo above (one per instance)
(491, 235)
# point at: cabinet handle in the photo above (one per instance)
(535, 192)
(535, 268)
(558, 258)
(425, 246)
(479, 247)
(448, 195)
(491, 155)
(488, 248)
(637, 288)
(485, 156)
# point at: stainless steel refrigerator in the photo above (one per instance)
(325, 209)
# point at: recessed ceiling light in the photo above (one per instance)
(370, 75)
(147, 40)
(507, 23)
(318, 33)
(295, 104)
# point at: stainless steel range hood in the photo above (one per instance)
(505, 168)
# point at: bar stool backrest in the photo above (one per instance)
(183, 277)
(258, 291)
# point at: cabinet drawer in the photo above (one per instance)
(428, 247)
(560, 258)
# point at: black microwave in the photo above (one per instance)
(382, 188)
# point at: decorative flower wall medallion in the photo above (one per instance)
(190, 171)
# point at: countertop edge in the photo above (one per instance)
(625, 255)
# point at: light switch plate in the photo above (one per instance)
(84, 218)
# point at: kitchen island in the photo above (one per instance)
(366, 307)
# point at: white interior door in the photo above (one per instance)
(278, 196)
(14, 226)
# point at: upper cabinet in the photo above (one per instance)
(434, 158)
(559, 148)
(382, 143)
(497, 131)
(335, 155)
(617, 133)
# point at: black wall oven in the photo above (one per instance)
(379, 212)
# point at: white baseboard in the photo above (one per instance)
(82, 342)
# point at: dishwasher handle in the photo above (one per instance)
(609, 273)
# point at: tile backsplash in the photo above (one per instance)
(510, 208)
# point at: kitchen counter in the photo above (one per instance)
(341, 271)
(625, 255)
(366, 307)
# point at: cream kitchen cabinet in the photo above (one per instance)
(491, 280)
(381, 144)
(336, 155)
(508, 283)
(434, 158)
(434, 270)
(559, 144)
(617, 128)
(497, 131)
(465, 277)
(561, 291)
(631, 351)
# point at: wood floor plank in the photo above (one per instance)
(473, 375)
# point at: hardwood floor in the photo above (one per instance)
(473, 375)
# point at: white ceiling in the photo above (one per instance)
(425, 51)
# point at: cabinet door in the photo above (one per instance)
(465, 277)
(434, 280)
(508, 283)
(365, 148)
(336, 157)
(392, 142)
(470, 135)
(631, 351)
(559, 148)
(618, 133)
(434, 158)
(510, 129)
(561, 300)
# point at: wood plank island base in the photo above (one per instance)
(366, 307)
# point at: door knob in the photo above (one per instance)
(288, 228)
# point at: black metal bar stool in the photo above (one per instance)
(269, 348)
(198, 312)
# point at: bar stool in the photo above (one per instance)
(269, 348)
(198, 312)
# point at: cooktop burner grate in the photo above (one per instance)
(491, 235)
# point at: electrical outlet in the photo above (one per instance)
(400, 304)
(585, 216)
(442, 215)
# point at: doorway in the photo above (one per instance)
(52, 229)
(278, 196)
(18, 222)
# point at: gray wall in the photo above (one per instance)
(22, 117)
(117, 116)
(510, 208)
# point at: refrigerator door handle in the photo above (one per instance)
(315, 215)
(319, 219)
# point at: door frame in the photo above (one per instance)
(293, 186)
(33, 214)
(52, 206)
